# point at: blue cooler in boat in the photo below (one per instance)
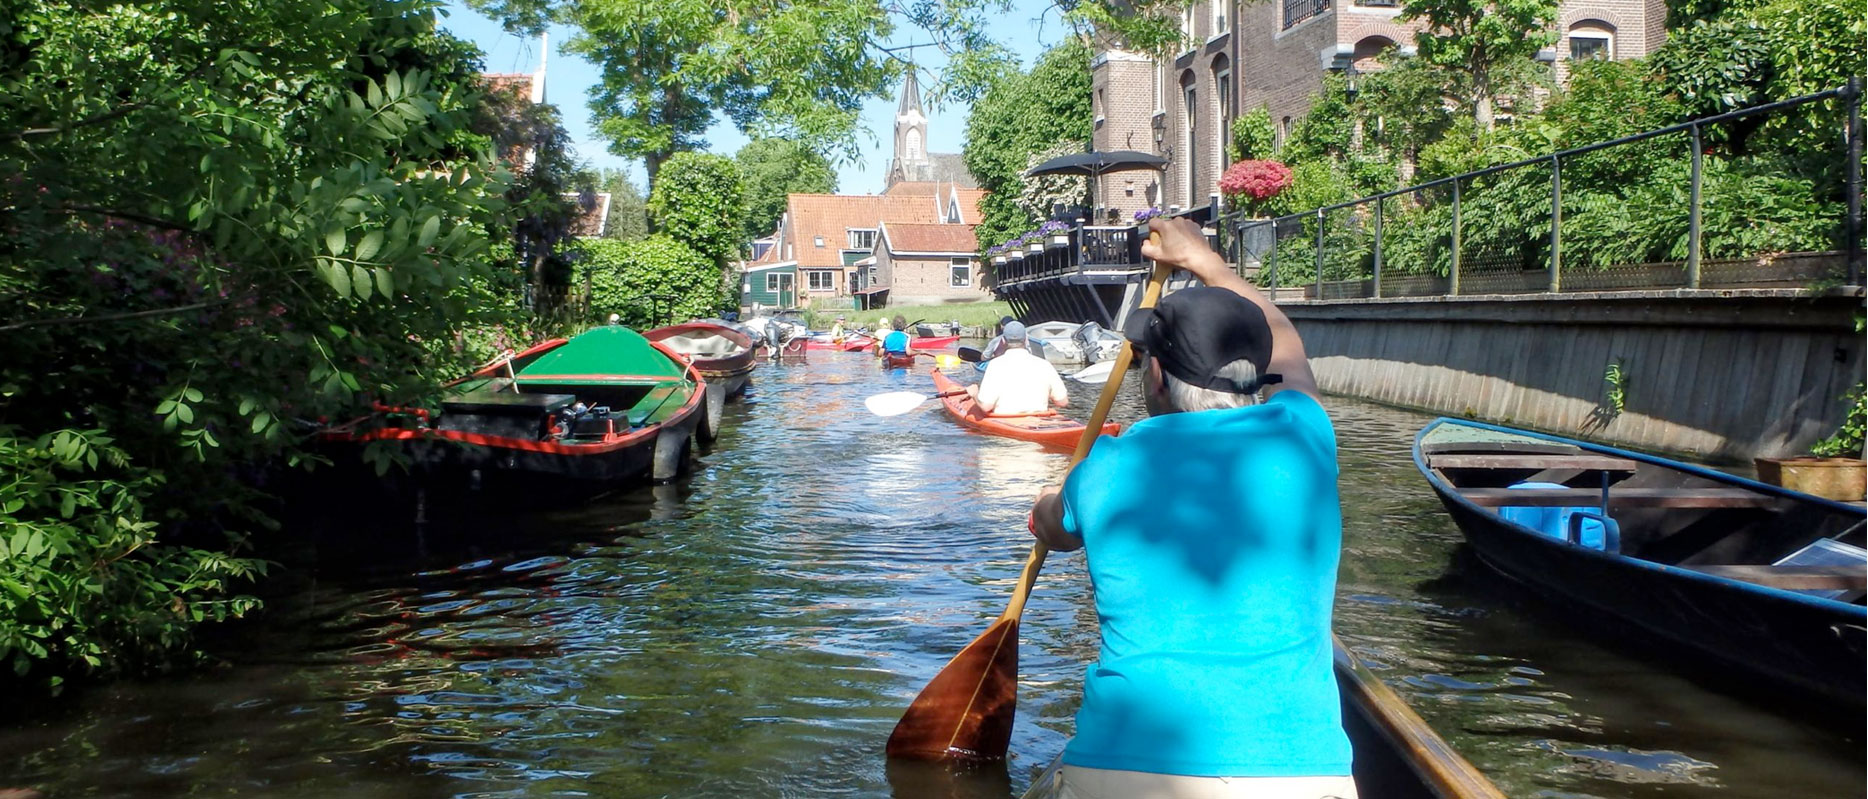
(1555, 522)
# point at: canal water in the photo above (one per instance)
(755, 631)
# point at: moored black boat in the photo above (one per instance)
(1728, 575)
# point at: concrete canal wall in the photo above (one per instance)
(1719, 375)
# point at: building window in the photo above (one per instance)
(777, 282)
(1186, 25)
(1102, 104)
(1296, 11)
(1592, 39)
(818, 240)
(1220, 24)
(1222, 92)
(862, 238)
(1192, 128)
(1284, 131)
(820, 280)
(960, 275)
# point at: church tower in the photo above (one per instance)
(911, 135)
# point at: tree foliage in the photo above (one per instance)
(216, 219)
(651, 281)
(700, 200)
(1019, 116)
(798, 70)
(773, 168)
(1482, 45)
(629, 210)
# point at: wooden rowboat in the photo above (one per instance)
(1053, 429)
(723, 356)
(1725, 575)
(1397, 756)
(606, 407)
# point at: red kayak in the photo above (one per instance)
(1050, 428)
(933, 342)
(892, 361)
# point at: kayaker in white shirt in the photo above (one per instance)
(1018, 382)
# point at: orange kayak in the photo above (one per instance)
(1053, 429)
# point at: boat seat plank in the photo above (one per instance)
(1460, 460)
(1843, 578)
(1620, 497)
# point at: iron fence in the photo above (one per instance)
(1524, 227)
(1296, 11)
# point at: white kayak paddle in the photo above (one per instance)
(896, 403)
(1095, 373)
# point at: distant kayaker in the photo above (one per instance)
(1018, 382)
(1212, 532)
(895, 342)
(996, 347)
(836, 330)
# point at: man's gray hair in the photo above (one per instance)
(1184, 396)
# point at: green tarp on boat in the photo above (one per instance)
(609, 354)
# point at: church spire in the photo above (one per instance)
(911, 135)
(911, 94)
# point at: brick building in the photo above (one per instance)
(828, 249)
(1274, 55)
(928, 264)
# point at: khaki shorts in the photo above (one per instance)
(1076, 782)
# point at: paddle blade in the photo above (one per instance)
(965, 713)
(945, 361)
(1095, 373)
(969, 354)
(894, 403)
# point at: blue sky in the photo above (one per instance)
(1027, 29)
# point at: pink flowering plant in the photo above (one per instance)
(1254, 183)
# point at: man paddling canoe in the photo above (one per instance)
(1212, 531)
(1018, 382)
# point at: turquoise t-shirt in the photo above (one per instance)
(1212, 541)
(896, 342)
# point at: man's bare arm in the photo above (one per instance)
(1047, 522)
(1183, 245)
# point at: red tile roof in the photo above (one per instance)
(831, 216)
(906, 237)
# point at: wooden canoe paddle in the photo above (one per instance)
(965, 713)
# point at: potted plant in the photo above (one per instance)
(1253, 183)
(1834, 469)
(1032, 242)
(1056, 233)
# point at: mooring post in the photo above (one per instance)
(1319, 253)
(1692, 214)
(1452, 286)
(1854, 133)
(1556, 224)
(1375, 284)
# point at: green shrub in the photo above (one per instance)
(85, 587)
(1253, 136)
(637, 279)
(699, 198)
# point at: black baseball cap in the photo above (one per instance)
(1196, 331)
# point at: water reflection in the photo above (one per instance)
(755, 631)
